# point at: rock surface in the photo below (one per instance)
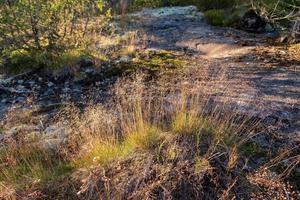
(259, 81)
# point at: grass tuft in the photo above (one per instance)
(30, 164)
(147, 138)
(201, 165)
(103, 153)
(186, 123)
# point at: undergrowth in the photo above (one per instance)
(150, 144)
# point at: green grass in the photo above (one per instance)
(22, 60)
(103, 153)
(186, 123)
(26, 165)
(201, 164)
(144, 137)
(147, 138)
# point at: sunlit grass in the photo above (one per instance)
(146, 137)
(186, 123)
(201, 164)
(30, 164)
(104, 152)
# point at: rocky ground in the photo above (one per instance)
(262, 79)
(265, 79)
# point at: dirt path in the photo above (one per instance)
(261, 77)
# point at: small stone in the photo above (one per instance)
(56, 132)
(50, 84)
(52, 145)
(20, 81)
(31, 83)
(89, 70)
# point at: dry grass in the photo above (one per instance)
(294, 50)
(151, 143)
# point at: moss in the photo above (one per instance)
(162, 60)
(201, 4)
(151, 62)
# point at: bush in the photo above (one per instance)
(139, 4)
(282, 13)
(20, 60)
(201, 4)
(215, 17)
(36, 31)
(221, 17)
(215, 4)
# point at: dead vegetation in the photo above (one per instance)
(153, 143)
(178, 137)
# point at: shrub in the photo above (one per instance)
(215, 4)
(283, 13)
(215, 17)
(221, 17)
(38, 31)
(201, 4)
(20, 60)
(139, 4)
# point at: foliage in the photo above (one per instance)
(201, 4)
(220, 17)
(283, 13)
(37, 31)
(138, 4)
(216, 4)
